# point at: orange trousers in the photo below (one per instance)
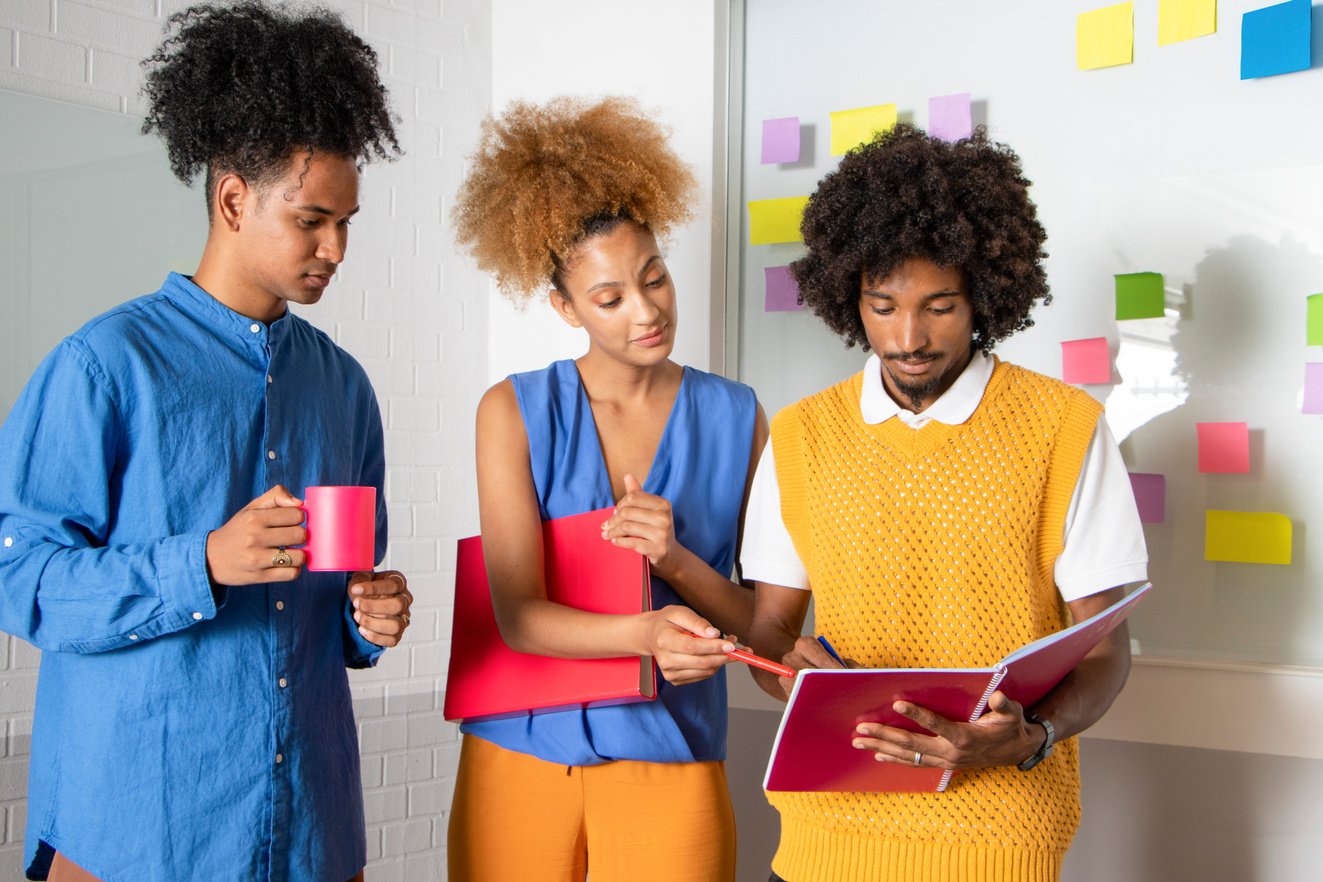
(516, 817)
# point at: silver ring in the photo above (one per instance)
(918, 757)
(282, 558)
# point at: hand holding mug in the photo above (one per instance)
(253, 547)
(381, 605)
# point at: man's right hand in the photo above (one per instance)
(252, 546)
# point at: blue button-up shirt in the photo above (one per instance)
(184, 730)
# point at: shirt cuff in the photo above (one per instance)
(1094, 583)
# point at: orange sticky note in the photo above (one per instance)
(1223, 447)
(1086, 361)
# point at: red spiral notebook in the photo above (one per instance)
(490, 680)
(813, 750)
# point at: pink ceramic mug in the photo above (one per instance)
(342, 527)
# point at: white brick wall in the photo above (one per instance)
(406, 305)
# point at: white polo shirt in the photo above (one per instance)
(1104, 540)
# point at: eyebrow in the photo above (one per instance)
(318, 209)
(617, 284)
(936, 295)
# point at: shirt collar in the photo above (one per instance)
(198, 302)
(953, 407)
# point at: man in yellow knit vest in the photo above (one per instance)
(944, 508)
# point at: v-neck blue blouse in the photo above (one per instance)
(700, 466)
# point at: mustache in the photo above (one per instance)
(917, 355)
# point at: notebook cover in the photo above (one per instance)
(489, 680)
(814, 749)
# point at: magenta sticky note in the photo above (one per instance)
(781, 140)
(1313, 387)
(782, 292)
(1086, 361)
(1223, 447)
(1150, 496)
(949, 117)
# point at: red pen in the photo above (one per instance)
(749, 658)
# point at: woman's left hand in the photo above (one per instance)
(643, 523)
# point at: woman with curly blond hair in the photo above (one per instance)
(569, 198)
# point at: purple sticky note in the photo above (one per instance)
(949, 117)
(1086, 361)
(1150, 496)
(1223, 448)
(1313, 387)
(781, 140)
(782, 292)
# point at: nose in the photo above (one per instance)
(912, 333)
(645, 312)
(331, 247)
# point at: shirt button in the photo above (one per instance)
(270, 454)
(197, 617)
(283, 682)
(280, 758)
(280, 604)
(9, 542)
(269, 381)
(133, 636)
(254, 327)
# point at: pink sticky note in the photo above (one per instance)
(1150, 496)
(949, 117)
(1223, 447)
(781, 140)
(1086, 361)
(782, 292)
(1313, 387)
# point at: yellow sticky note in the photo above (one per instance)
(850, 128)
(1262, 537)
(1185, 19)
(776, 220)
(1105, 37)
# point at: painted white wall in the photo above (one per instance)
(660, 53)
(404, 304)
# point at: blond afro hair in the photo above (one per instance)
(545, 176)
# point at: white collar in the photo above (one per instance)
(953, 407)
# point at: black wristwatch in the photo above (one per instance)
(1046, 750)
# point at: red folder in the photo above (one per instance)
(813, 749)
(490, 680)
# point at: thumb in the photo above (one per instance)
(686, 618)
(632, 484)
(277, 497)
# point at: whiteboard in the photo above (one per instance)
(1170, 164)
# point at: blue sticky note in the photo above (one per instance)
(1275, 40)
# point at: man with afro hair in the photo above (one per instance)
(193, 717)
(944, 508)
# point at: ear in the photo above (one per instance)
(564, 307)
(231, 197)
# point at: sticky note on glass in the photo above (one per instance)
(782, 292)
(949, 117)
(1086, 361)
(1275, 40)
(1261, 537)
(1313, 388)
(1150, 496)
(1138, 295)
(776, 220)
(1185, 19)
(781, 140)
(1314, 320)
(1105, 37)
(1223, 448)
(850, 128)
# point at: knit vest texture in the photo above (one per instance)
(935, 547)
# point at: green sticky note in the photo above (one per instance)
(1138, 295)
(1314, 321)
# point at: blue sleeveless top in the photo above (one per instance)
(700, 467)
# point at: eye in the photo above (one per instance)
(657, 282)
(883, 310)
(609, 304)
(307, 223)
(346, 223)
(943, 310)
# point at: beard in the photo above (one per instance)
(917, 391)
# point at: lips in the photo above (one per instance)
(916, 366)
(653, 338)
(319, 280)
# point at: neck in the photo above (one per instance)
(220, 276)
(611, 379)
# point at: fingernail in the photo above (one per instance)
(726, 647)
(357, 589)
(356, 601)
(859, 744)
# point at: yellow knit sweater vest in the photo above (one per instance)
(935, 548)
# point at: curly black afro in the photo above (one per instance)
(906, 195)
(239, 87)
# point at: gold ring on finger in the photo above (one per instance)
(282, 558)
